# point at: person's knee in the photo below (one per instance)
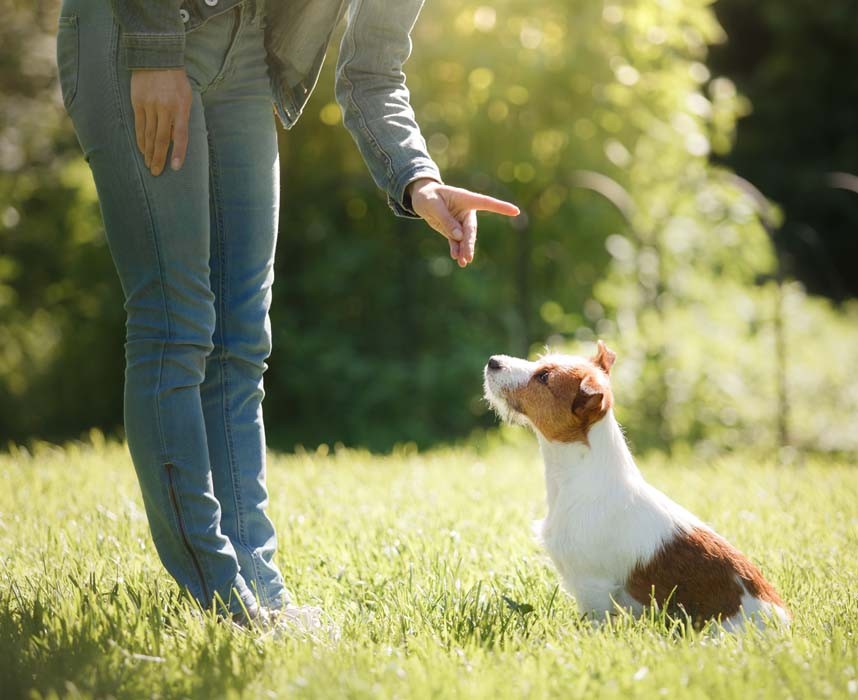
(176, 323)
(245, 340)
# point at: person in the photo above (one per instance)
(171, 102)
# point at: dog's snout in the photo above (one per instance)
(495, 363)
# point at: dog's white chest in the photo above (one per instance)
(603, 517)
(588, 542)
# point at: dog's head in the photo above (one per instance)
(559, 396)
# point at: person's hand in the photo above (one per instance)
(452, 212)
(162, 105)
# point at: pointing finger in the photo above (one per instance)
(482, 202)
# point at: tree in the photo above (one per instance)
(796, 61)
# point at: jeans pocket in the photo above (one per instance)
(68, 58)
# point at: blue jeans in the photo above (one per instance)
(194, 250)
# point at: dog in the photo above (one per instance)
(617, 542)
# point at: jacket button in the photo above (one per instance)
(185, 15)
(211, 3)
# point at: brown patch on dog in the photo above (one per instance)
(563, 402)
(699, 573)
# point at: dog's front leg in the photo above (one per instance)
(596, 598)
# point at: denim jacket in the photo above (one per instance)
(370, 84)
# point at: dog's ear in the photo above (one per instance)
(588, 400)
(604, 358)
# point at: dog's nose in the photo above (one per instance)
(494, 363)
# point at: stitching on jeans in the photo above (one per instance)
(223, 285)
(216, 194)
(146, 39)
(177, 510)
(132, 141)
(226, 70)
(228, 65)
(221, 359)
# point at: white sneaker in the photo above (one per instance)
(296, 621)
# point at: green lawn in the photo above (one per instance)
(427, 565)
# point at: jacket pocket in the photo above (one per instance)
(68, 58)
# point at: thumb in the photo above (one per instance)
(449, 226)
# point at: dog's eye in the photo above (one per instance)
(542, 377)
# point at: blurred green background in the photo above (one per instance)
(635, 135)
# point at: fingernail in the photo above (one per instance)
(175, 164)
(457, 234)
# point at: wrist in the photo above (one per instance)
(415, 185)
(158, 51)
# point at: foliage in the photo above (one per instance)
(796, 62)
(427, 565)
(61, 317)
(598, 119)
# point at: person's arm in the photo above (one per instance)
(371, 91)
(376, 109)
(152, 46)
(153, 35)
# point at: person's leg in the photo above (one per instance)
(158, 231)
(244, 208)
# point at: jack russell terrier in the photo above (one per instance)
(617, 542)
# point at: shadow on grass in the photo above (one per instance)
(72, 637)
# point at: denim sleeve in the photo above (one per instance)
(372, 94)
(153, 35)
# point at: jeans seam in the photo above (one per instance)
(221, 307)
(176, 502)
(154, 238)
(228, 65)
(165, 458)
(223, 287)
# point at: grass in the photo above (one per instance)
(426, 563)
